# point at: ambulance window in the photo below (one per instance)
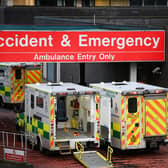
(39, 102)
(132, 105)
(111, 102)
(32, 101)
(18, 74)
(61, 109)
(2, 73)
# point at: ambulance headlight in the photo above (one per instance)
(61, 83)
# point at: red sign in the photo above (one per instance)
(81, 46)
(14, 155)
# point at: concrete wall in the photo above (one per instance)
(25, 15)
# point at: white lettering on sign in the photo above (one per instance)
(13, 151)
(120, 42)
(26, 41)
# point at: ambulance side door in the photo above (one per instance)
(105, 118)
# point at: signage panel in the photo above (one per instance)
(82, 46)
(14, 155)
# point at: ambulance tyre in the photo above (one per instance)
(102, 144)
(17, 108)
(2, 104)
(153, 146)
(40, 146)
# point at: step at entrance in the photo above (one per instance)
(64, 148)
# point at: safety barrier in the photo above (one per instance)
(13, 146)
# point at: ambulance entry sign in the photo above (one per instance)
(82, 46)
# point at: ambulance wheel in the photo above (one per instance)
(15, 108)
(18, 108)
(40, 146)
(2, 104)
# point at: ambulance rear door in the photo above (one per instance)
(155, 108)
(33, 74)
(18, 84)
(105, 118)
(133, 137)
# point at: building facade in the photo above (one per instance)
(85, 3)
(114, 15)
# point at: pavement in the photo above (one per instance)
(6, 164)
(132, 159)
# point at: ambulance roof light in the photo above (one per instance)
(55, 84)
(61, 83)
(159, 91)
(49, 83)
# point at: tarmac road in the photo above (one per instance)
(135, 159)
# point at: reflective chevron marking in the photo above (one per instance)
(123, 120)
(155, 117)
(33, 76)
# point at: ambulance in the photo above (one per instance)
(57, 115)
(133, 115)
(13, 77)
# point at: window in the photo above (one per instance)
(161, 2)
(111, 102)
(61, 109)
(85, 3)
(18, 74)
(2, 73)
(102, 3)
(119, 2)
(46, 2)
(149, 2)
(39, 102)
(132, 105)
(22, 2)
(69, 3)
(135, 2)
(32, 101)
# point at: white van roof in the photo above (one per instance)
(127, 86)
(22, 64)
(54, 88)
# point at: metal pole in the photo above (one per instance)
(7, 139)
(21, 141)
(25, 158)
(94, 19)
(14, 140)
(3, 144)
(133, 72)
(58, 77)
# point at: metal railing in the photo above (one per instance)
(109, 154)
(80, 148)
(14, 141)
